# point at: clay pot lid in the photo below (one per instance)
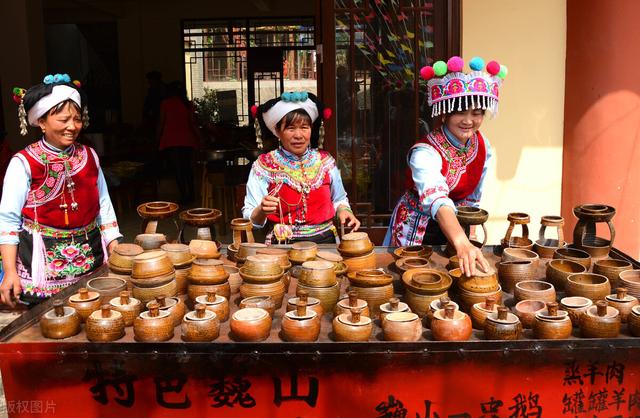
(84, 295)
(621, 296)
(205, 301)
(436, 304)
(106, 313)
(602, 310)
(503, 316)
(421, 251)
(310, 314)
(169, 302)
(401, 317)
(150, 255)
(483, 306)
(443, 285)
(358, 303)
(345, 318)
(275, 252)
(406, 263)
(369, 278)
(158, 209)
(128, 250)
(329, 256)
(261, 278)
(311, 301)
(185, 263)
(355, 236)
(304, 245)
(552, 313)
(58, 307)
(457, 315)
(576, 301)
(318, 265)
(200, 314)
(124, 295)
(146, 315)
(388, 307)
(174, 247)
(250, 314)
(636, 310)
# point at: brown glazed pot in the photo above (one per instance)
(207, 272)
(216, 304)
(589, 285)
(355, 244)
(374, 296)
(150, 242)
(634, 321)
(502, 325)
(275, 290)
(153, 325)
(361, 262)
(311, 303)
(436, 305)
(195, 290)
(200, 325)
(60, 322)
(328, 296)
(85, 302)
(317, 273)
(622, 302)
(262, 265)
(558, 271)
(250, 324)
(146, 294)
(262, 302)
(519, 254)
(352, 326)
(108, 287)
(480, 283)
(449, 324)
(600, 321)
(394, 305)
(612, 269)
(179, 254)
(204, 249)
(246, 249)
(536, 290)
(401, 326)
(512, 272)
(413, 251)
(129, 307)
(175, 307)
(303, 251)
(573, 254)
(552, 324)
(121, 260)
(420, 304)
(480, 311)
(234, 278)
(468, 299)
(345, 305)
(151, 264)
(301, 325)
(576, 306)
(182, 280)
(105, 325)
(527, 309)
(630, 279)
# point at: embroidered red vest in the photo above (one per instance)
(304, 187)
(462, 170)
(47, 185)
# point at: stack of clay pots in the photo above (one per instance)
(207, 275)
(152, 275)
(318, 279)
(121, 260)
(476, 289)
(422, 286)
(181, 258)
(281, 257)
(357, 250)
(262, 276)
(373, 286)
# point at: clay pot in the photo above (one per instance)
(329, 256)
(207, 272)
(480, 311)
(301, 324)
(279, 254)
(204, 249)
(245, 249)
(436, 305)
(121, 259)
(519, 254)
(355, 244)
(634, 321)
(468, 299)
(317, 273)
(449, 324)
(401, 326)
(374, 296)
(105, 325)
(182, 280)
(200, 325)
(454, 263)
(352, 326)
(536, 290)
(153, 325)
(256, 265)
(552, 324)
(527, 309)
(129, 307)
(345, 305)
(512, 272)
(216, 304)
(328, 296)
(151, 264)
(369, 278)
(600, 321)
(421, 251)
(480, 283)
(146, 294)
(303, 251)
(234, 278)
(426, 281)
(573, 254)
(394, 305)
(195, 290)
(60, 322)
(612, 269)
(175, 306)
(593, 286)
(502, 325)
(262, 302)
(85, 302)
(405, 263)
(622, 302)
(232, 252)
(250, 324)
(154, 281)
(275, 290)
(361, 262)
(150, 242)
(179, 254)
(558, 271)
(576, 306)
(107, 287)
(630, 279)
(420, 304)
(311, 303)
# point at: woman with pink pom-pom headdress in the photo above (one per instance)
(448, 165)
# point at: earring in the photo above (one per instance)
(43, 130)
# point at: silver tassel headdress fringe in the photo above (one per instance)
(256, 125)
(321, 135)
(85, 117)
(22, 117)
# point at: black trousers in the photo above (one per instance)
(180, 162)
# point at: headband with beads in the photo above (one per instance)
(448, 87)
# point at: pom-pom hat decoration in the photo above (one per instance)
(448, 87)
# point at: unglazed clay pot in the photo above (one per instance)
(552, 324)
(394, 305)
(527, 309)
(352, 326)
(502, 325)
(436, 305)
(361, 262)
(151, 264)
(105, 325)
(576, 306)
(262, 302)
(374, 296)
(195, 290)
(420, 304)
(622, 302)
(536, 290)
(612, 269)
(108, 287)
(512, 272)
(275, 290)
(413, 251)
(85, 302)
(153, 325)
(179, 254)
(175, 306)
(480, 283)
(345, 305)
(355, 244)
(634, 321)
(449, 324)
(121, 259)
(589, 285)
(207, 272)
(234, 278)
(216, 304)
(129, 307)
(317, 273)
(301, 325)
(250, 325)
(311, 303)
(303, 251)
(328, 296)
(573, 254)
(519, 254)
(60, 322)
(480, 311)
(600, 321)
(401, 326)
(558, 271)
(200, 325)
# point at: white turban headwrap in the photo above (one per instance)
(59, 94)
(274, 115)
